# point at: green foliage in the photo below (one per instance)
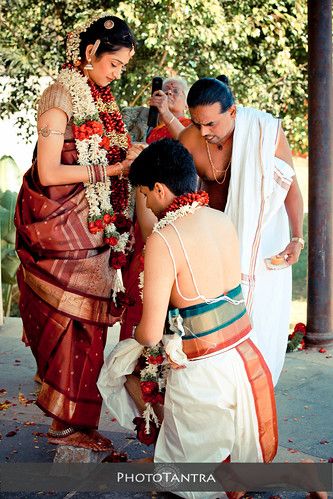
(8, 258)
(259, 45)
(10, 174)
(294, 341)
(300, 269)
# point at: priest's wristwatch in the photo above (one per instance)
(298, 240)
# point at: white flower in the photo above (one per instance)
(90, 153)
(150, 369)
(141, 283)
(171, 216)
(122, 242)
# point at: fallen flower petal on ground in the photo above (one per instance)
(5, 405)
(11, 433)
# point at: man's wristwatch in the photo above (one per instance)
(298, 240)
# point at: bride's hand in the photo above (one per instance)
(119, 169)
(134, 151)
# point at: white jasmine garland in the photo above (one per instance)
(90, 153)
(151, 369)
(122, 242)
(170, 217)
(141, 283)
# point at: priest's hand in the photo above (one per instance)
(292, 252)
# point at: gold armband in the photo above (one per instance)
(46, 131)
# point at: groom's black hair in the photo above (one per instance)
(168, 162)
(208, 91)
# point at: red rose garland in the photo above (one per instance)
(296, 338)
(109, 213)
(151, 365)
(153, 374)
(200, 197)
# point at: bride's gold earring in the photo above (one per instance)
(89, 66)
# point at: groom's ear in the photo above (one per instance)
(233, 111)
(159, 189)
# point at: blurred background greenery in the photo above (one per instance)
(259, 44)
(10, 180)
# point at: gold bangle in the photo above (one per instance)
(90, 180)
(298, 240)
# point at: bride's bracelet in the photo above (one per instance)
(117, 170)
(96, 173)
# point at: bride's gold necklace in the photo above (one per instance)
(214, 169)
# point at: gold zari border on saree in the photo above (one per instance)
(82, 307)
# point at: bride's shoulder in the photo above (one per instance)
(55, 95)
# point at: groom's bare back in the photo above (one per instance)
(212, 247)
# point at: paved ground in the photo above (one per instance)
(304, 402)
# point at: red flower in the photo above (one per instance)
(107, 218)
(300, 328)
(140, 428)
(149, 391)
(124, 299)
(113, 241)
(155, 360)
(118, 261)
(148, 387)
(87, 130)
(122, 222)
(159, 399)
(105, 143)
(99, 224)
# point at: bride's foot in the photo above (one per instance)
(87, 439)
(99, 438)
(317, 495)
(82, 440)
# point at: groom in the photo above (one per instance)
(219, 391)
